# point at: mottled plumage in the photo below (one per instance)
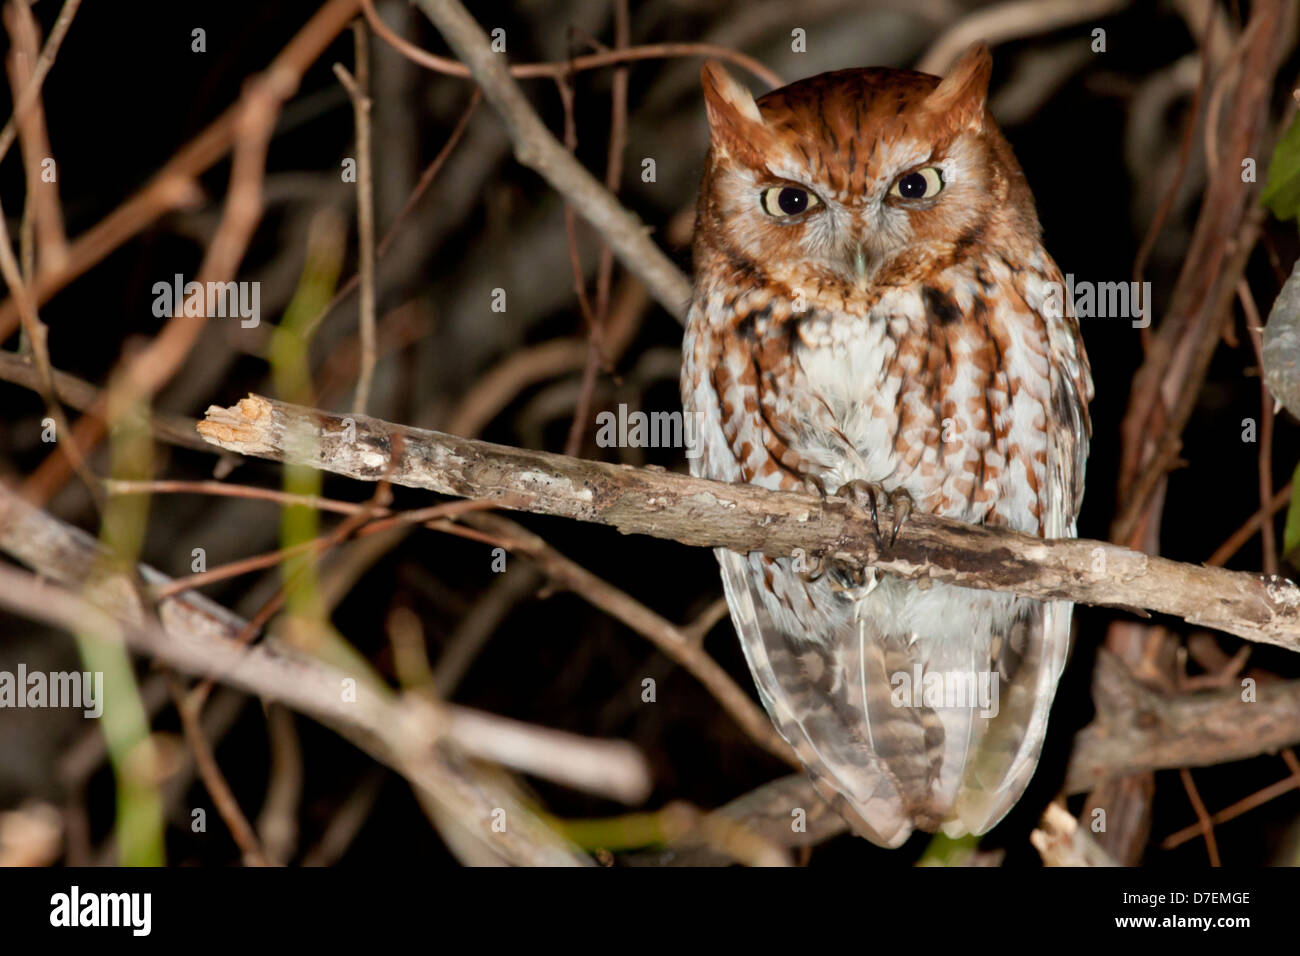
(872, 305)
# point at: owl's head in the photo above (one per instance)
(858, 177)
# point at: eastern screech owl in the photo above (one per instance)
(873, 315)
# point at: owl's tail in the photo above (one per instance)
(853, 695)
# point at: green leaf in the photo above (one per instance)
(1282, 188)
(949, 851)
(1291, 535)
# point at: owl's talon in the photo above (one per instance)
(866, 495)
(900, 502)
(818, 485)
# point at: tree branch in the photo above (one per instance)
(425, 741)
(744, 518)
(1138, 729)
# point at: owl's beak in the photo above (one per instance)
(865, 259)
(860, 269)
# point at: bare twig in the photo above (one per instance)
(71, 453)
(1243, 534)
(537, 149)
(277, 824)
(358, 91)
(1254, 330)
(426, 179)
(1259, 798)
(228, 490)
(527, 366)
(347, 822)
(81, 395)
(656, 51)
(596, 349)
(43, 64)
(41, 211)
(472, 632)
(1205, 824)
(138, 378)
(1167, 385)
(1010, 21)
(675, 644)
(214, 780)
(200, 639)
(175, 184)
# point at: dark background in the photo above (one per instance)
(127, 92)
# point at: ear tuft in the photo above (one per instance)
(729, 104)
(964, 90)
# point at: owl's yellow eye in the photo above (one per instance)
(921, 184)
(786, 201)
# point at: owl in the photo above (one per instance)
(874, 319)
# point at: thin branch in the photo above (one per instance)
(348, 821)
(1260, 797)
(671, 640)
(1254, 330)
(1243, 534)
(213, 779)
(595, 334)
(42, 214)
(277, 823)
(82, 395)
(596, 349)
(72, 448)
(358, 92)
(1010, 21)
(43, 64)
(537, 149)
(176, 183)
(1205, 824)
(138, 378)
(656, 51)
(1168, 384)
(426, 180)
(200, 639)
(229, 490)
(524, 367)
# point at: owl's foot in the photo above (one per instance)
(843, 576)
(868, 495)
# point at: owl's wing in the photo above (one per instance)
(1034, 653)
(1070, 427)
